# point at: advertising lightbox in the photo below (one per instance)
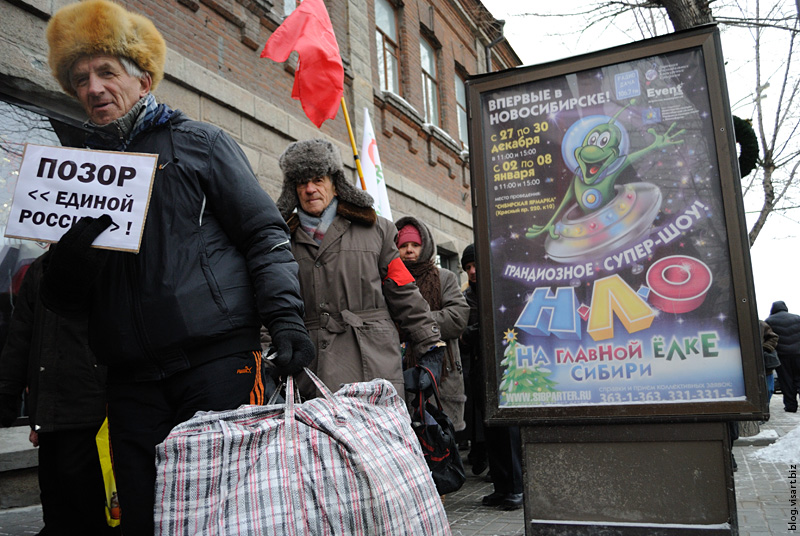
(613, 266)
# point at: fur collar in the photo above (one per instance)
(355, 214)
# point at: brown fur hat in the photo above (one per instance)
(98, 27)
(308, 159)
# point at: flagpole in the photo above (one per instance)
(353, 145)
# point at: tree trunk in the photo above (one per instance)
(769, 199)
(685, 14)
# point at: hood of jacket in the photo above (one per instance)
(428, 245)
(778, 307)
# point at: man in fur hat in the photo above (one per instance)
(178, 323)
(354, 284)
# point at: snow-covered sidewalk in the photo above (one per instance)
(766, 482)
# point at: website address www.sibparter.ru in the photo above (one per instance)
(551, 396)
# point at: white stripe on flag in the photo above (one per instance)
(373, 171)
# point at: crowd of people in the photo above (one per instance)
(781, 336)
(147, 339)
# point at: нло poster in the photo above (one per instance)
(609, 256)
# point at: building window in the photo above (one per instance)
(288, 7)
(448, 260)
(430, 88)
(388, 48)
(461, 104)
(22, 123)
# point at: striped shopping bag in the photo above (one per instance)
(343, 464)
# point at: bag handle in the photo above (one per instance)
(292, 458)
(297, 525)
(420, 402)
(378, 475)
(326, 393)
(321, 386)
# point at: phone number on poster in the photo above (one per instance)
(652, 396)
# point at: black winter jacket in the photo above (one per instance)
(50, 355)
(214, 263)
(787, 326)
(469, 343)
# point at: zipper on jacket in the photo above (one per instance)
(202, 211)
(132, 276)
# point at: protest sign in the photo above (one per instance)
(59, 185)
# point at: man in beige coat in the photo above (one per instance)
(352, 280)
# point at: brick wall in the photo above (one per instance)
(214, 73)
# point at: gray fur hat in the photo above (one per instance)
(308, 159)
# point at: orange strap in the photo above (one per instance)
(257, 397)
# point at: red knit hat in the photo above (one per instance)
(408, 233)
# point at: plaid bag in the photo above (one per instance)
(342, 464)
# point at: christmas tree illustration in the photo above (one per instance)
(521, 379)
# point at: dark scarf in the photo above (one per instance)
(426, 275)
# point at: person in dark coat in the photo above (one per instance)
(769, 345)
(469, 344)
(787, 326)
(177, 323)
(503, 443)
(66, 404)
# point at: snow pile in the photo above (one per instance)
(785, 449)
(766, 435)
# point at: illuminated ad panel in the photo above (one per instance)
(601, 194)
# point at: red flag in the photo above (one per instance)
(319, 78)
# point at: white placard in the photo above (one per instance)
(57, 186)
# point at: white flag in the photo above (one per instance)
(373, 172)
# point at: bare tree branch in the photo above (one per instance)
(778, 124)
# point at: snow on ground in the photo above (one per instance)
(785, 449)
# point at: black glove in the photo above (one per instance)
(73, 266)
(293, 346)
(418, 379)
(9, 409)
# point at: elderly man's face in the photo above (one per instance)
(105, 89)
(316, 194)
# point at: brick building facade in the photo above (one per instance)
(403, 60)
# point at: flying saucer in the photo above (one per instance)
(624, 220)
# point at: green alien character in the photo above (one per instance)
(601, 158)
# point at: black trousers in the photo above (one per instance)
(141, 415)
(473, 409)
(71, 483)
(504, 446)
(789, 378)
